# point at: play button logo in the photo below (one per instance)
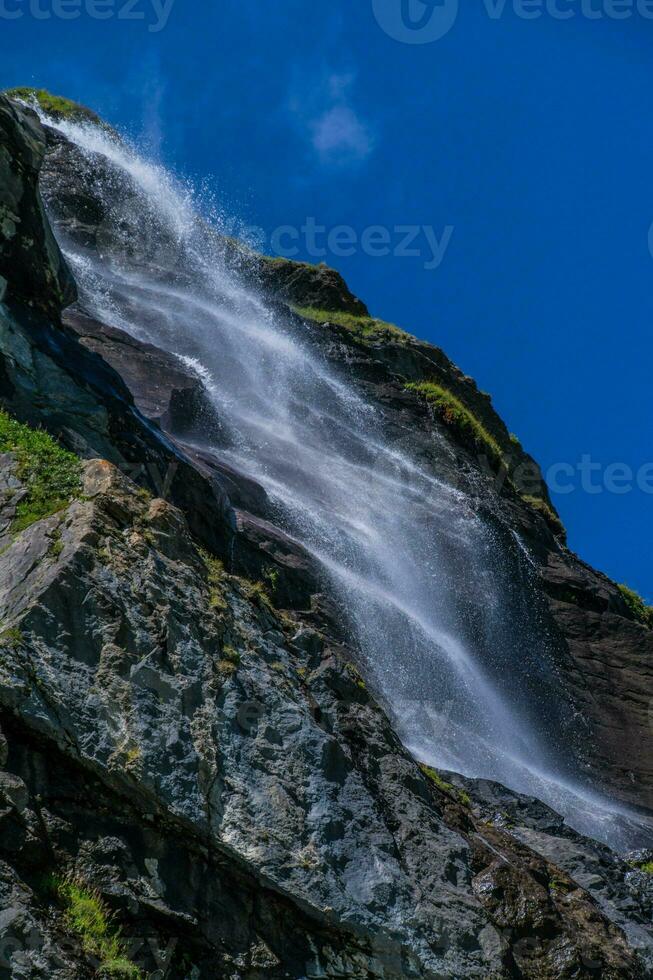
(416, 21)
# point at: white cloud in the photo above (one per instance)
(339, 135)
(337, 132)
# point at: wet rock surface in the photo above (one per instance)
(32, 267)
(622, 890)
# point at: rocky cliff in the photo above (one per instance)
(197, 778)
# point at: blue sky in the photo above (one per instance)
(524, 142)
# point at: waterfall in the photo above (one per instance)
(442, 621)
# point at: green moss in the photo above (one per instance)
(88, 918)
(437, 779)
(120, 967)
(271, 577)
(558, 886)
(364, 328)
(280, 260)
(258, 592)
(647, 868)
(11, 637)
(52, 475)
(434, 776)
(56, 547)
(132, 757)
(54, 105)
(547, 513)
(455, 414)
(215, 575)
(231, 655)
(471, 431)
(640, 611)
(357, 677)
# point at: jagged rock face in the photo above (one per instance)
(624, 893)
(31, 264)
(308, 285)
(616, 654)
(216, 767)
(240, 786)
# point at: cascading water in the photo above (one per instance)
(423, 580)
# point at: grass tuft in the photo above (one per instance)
(11, 637)
(356, 676)
(365, 328)
(215, 576)
(56, 546)
(548, 514)
(232, 655)
(89, 919)
(434, 776)
(455, 414)
(640, 611)
(51, 474)
(53, 105)
(258, 592)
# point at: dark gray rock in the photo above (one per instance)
(226, 780)
(31, 263)
(163, 389)
(624, 893)
(302, 284)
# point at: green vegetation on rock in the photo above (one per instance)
(54, 105)
(453, 413)
(51, 474)
(364, 328)
(356, 676)
(215, 575)
(88, 918)
(547, 513)
(56, 546)
(434, 776)
(232, 655)
(641, 612)
(258, 592)
(471, 430)
(645, 866)
(11, 637)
